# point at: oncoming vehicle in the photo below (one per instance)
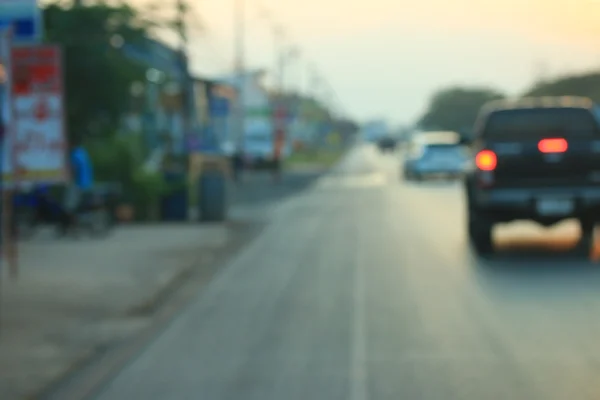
(534, 159)
(387, 143)
(435, 154)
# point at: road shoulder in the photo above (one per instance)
(88, 376)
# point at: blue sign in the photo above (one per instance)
(25, 19)
(193, 143)
(218, 106)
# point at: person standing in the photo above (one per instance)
(82, 180)
(278, 150)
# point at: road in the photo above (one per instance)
(364, 288)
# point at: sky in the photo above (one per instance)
(385, 58)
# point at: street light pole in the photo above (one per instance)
(278, 37)
(239, 57)
(280, 114)
(186, 90)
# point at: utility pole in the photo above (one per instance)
(279, 115)
(186, 80)
(279, 38)
(313, 95)
(239, 57)
(284, 55)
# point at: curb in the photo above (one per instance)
(89, 373)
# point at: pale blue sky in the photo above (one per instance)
(386, 57)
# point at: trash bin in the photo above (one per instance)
(213, 188)
(174, 206)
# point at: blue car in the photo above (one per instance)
(435, 154)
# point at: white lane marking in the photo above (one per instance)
(358, 372)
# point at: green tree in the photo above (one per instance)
(97, 75)
(587, 85)
(456, 108)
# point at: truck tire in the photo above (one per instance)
(586, 243)
(479, 226)
(480, 233)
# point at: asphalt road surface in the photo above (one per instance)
(363, 287)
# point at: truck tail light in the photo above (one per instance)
(486, 160)
(553, 145)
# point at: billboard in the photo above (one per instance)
(39, 139)
(6, 105)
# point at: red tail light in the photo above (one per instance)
(486, 160)
(553, 145)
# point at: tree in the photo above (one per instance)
(586, 85)
(456, 108)
(97, 75)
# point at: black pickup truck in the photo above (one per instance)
(534, 159)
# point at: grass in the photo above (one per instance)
(321, 158)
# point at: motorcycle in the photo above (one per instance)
(93, 215)
(36, 209)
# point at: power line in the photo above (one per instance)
(268, 15)
(285, 46)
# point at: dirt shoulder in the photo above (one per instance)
(77, 300)
(81, 308)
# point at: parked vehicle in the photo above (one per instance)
(35, 208)
(259, 152)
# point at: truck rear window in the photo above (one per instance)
(542, 122)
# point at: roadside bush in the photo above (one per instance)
(115, 157)
(119, 159)
(146, 191)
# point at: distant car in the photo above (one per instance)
(259, 153)
(435, 154)
(387, 143)
(534, 159)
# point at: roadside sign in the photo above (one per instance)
(24, 17)
(218, 106)
(6, 115)
(193, 142)
(39, 144)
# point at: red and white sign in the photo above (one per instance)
(39, 142)
(279, 117)
(6, 105)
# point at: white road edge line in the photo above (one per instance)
(358, 371)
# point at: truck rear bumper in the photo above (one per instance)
(524, 197)
(547, 205)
